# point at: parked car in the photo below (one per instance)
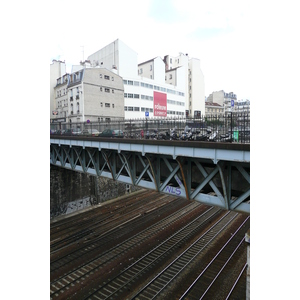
(77, 131)
(59, 132)
(90, 132)
(112, 133)
(69, 132)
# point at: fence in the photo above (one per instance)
(233, 127)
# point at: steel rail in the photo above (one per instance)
(213, 259)
(155, 254)
(186, 253)
(237, 280)
(128, 244)
(227, 261)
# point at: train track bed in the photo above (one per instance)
(153, 245)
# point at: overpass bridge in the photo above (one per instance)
(213, 173)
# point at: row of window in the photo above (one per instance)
(134, 108)
(106, 77)
(150, 98)
(107, 105)
(150, 86)
(214, 109)
(106, 90)
(62, 92)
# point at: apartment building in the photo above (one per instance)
(93, 94)
(242, 106)
(224, 99)
(186, 73)
(149, 90)
(214, 109)
(57, 69)
(61, 109)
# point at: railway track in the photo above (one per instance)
(144, 251)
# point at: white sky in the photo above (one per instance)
(219, 33)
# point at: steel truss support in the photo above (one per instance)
(192, 178)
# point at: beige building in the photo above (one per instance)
(93, 94)
(213, 109)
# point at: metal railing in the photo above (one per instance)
(231, 127)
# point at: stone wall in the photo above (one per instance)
(67, 186)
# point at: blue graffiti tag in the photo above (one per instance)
(172, 190)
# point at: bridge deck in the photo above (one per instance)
(211, 172)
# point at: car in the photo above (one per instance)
(70, 131)
(58, 132)
(90, 132)
(112, 133)
(77, 131)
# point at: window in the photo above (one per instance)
(107, 90)
(130, 95)
(141, 70)
(112, 78)
(136, 96)
(100, 75)
(130, 82)
(113, 91)
(130, 108)
(150, 67)
(107, 104)
(113, 106)
(170, 77)
(136, 109)
(100, 88)
(101, 104)
(106, 77)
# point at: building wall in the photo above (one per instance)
(153, 69)
(103, 94)
(57, 69)
(196, 83)
(118, 55)
(61, 99)
(139, 96)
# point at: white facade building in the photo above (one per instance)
(148, 89)
(185, 72)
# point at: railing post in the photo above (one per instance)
(231, 127)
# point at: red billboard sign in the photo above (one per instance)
(159, 104)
